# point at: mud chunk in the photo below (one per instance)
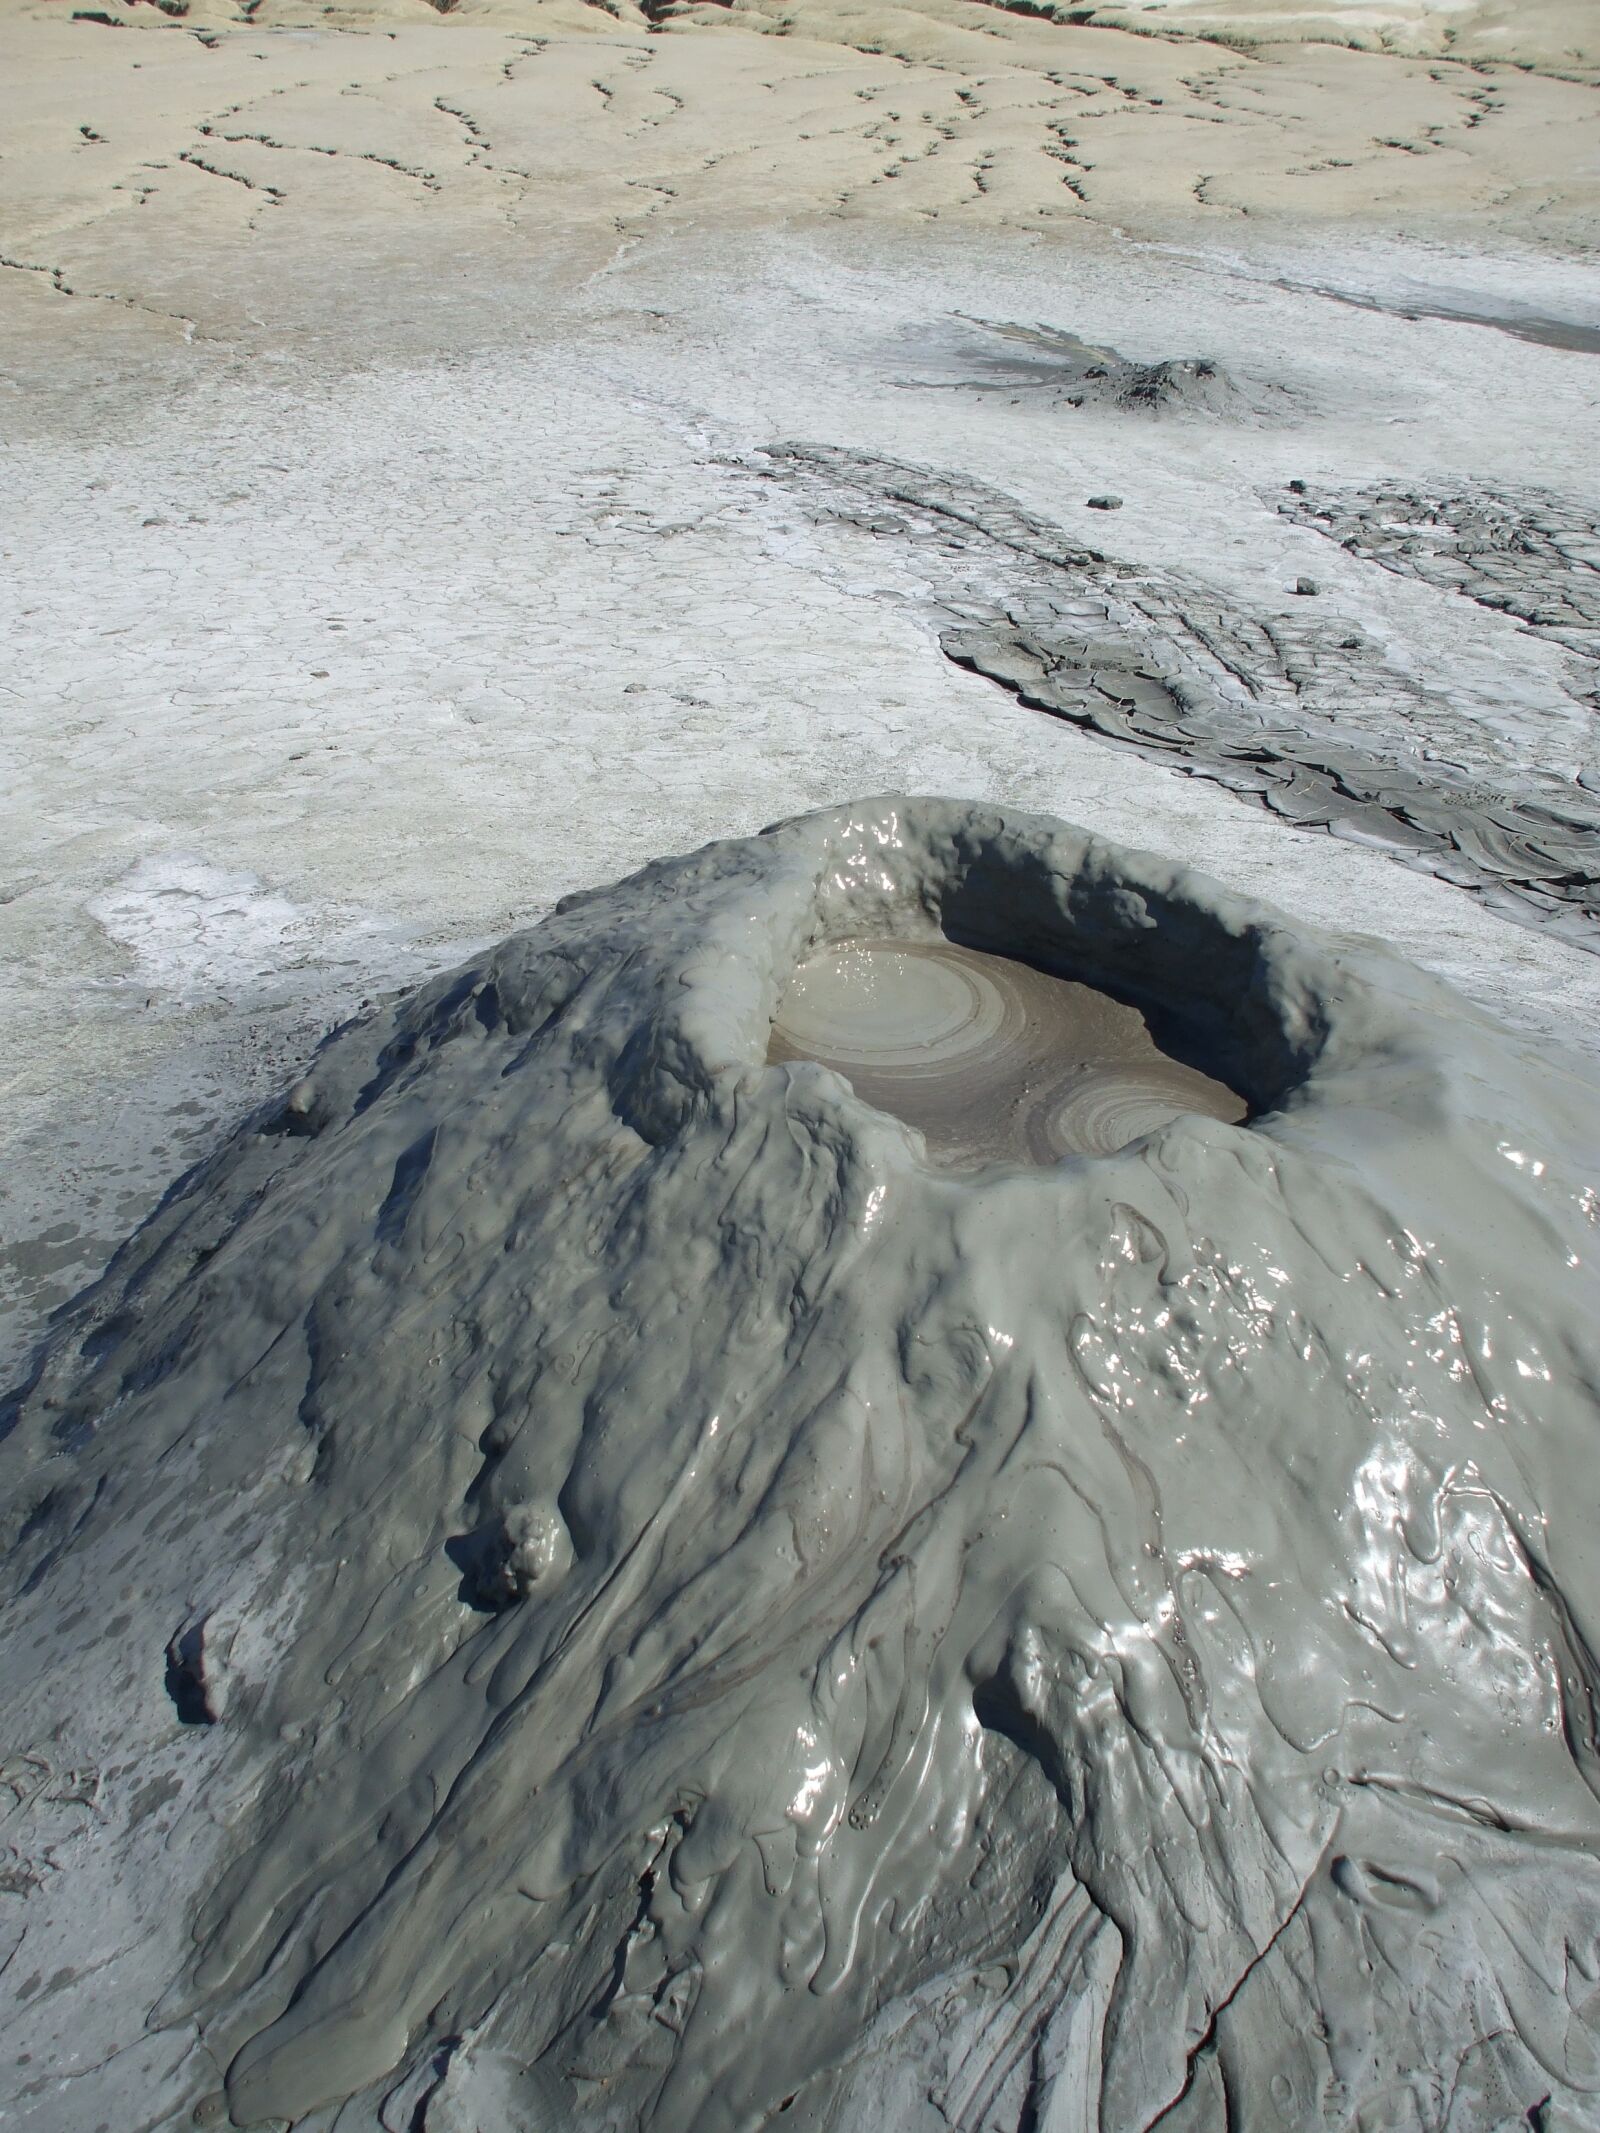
(198, 1678)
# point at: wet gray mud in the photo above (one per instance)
(701, 1616)
(1053, 368)
(1302, 715)
(990, 1060)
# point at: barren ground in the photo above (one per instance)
(395, 539)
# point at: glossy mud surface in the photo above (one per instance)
(990, 1060)
(676, 1614)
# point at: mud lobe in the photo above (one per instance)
(1532, 555)
(1300, 713)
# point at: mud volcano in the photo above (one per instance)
(711, 1591)
(1052, 368)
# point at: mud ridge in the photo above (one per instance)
(1305, 718)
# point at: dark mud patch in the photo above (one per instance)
(1461, 307)
(1298, 712)
(1044, 366)
(1527, 554)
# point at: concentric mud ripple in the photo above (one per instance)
(990, 1059)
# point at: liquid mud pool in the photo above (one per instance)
(990, 1059)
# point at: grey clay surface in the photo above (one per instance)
(692, 1613)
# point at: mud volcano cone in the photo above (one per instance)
(910, 1472)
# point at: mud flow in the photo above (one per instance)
(991, 1060)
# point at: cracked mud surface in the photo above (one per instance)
(1311, 722)
(1534, 557)
(142, 161)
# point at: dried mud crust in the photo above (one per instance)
(1305, 717)
(284, 137)
(782, 1635)
(1524, 554)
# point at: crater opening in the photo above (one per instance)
(992, 1060)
